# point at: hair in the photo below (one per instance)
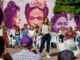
(17, 27)
(1, 16)
(71, 29)
(44, 20)
(4, 28)
(2, 44)
(9, 13)
(66, 55)
(28, 9)
(31, 27)
(77, 20)
(36, 27)
(56, 16)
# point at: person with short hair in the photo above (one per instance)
(66, 55)
(25, 53)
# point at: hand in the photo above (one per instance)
(34, 51)
(34, 41)
(5, 51)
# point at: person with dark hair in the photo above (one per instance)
(1, 16)
(11, 15)
(66, 55)
(25, 53)
(69, 41)
(35, 12)
(61, 33)
(59, 20)
(4, 55)
(17, 35)
(45, 31)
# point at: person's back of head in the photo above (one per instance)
(2, 44)
(66, 55)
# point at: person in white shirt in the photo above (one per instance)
(61, 33)
(1, 30)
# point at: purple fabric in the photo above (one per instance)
(1, 15)
(55, 18)
(77, 20)
(26, 41)
(9, 13)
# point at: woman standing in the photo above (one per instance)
(44, 28)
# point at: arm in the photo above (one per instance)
(7, 55)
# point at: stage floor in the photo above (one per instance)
(53, 53)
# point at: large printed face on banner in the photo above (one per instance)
(59, 20)
(35, 12)
(77, 20)
(11, 15)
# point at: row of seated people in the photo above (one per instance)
(15, 35)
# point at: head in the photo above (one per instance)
(14, 26)
(62, 28)
(45, 20)
(35, 15)
(1, 16)
(70, 29)
(2, 45)
(26, 42)
(77, 20)
(31, 27)
(36, 27)
(17, 28)
(4, 28)
(25, 26)
(59, 20)
(76, 28)
(66, 55)
(11, 15)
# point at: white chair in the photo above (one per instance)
(12, 41)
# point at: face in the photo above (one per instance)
(16, 19)
(61, 22)
(46, 20)
(35, 17)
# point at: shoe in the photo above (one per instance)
(48, 56)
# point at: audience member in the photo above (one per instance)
(17, 35)
(4, 55)
(25, 53)
(62, 32)
(69, 41)
(66, 55)
(5, 35)
(78, 37)
(25, 31)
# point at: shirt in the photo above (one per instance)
(25, 32)
(1, 32)
(26, 55)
